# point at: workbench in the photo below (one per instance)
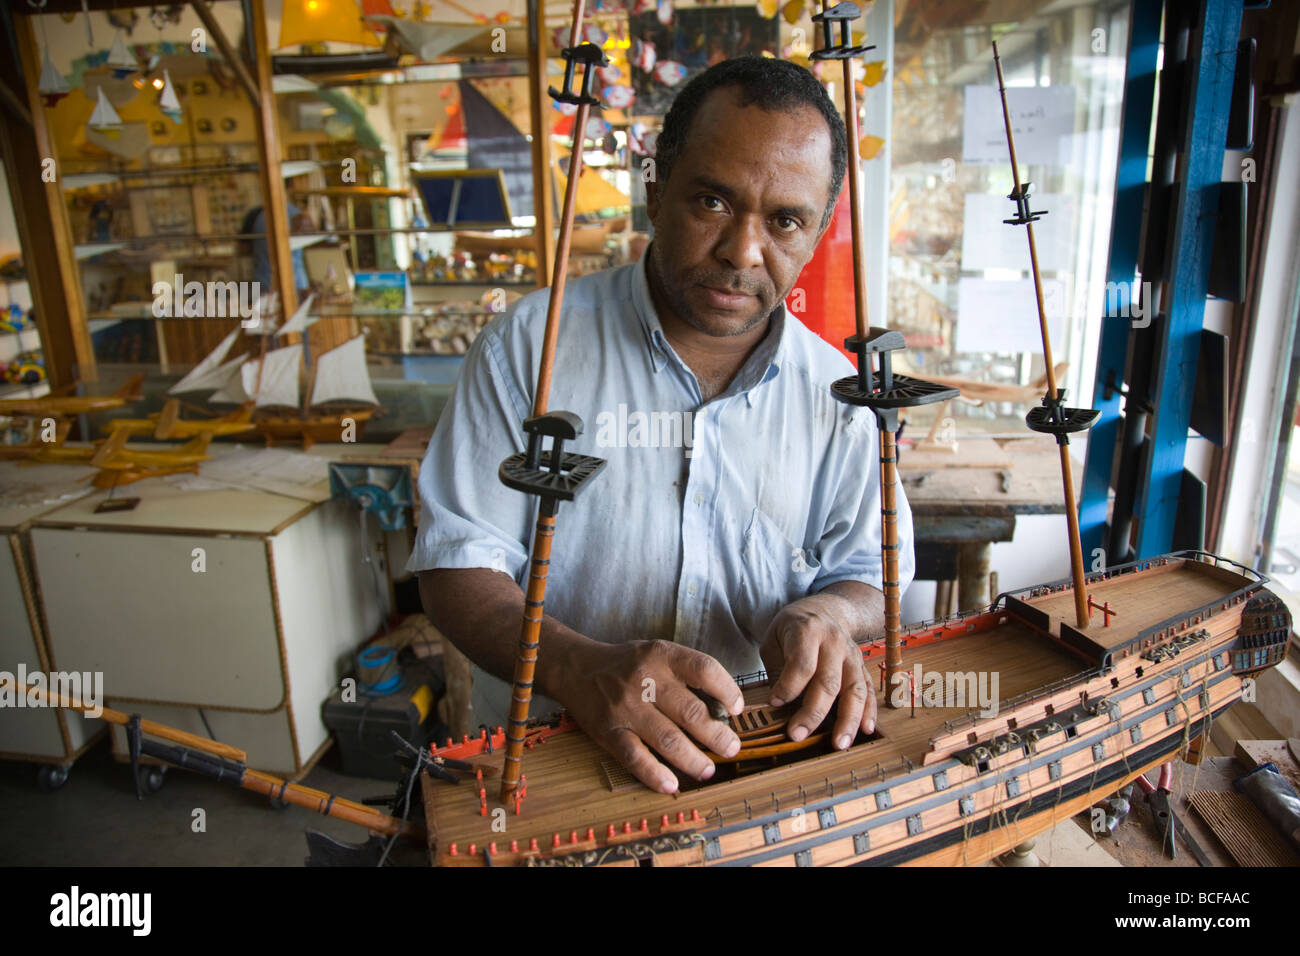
(964, 501)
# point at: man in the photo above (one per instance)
(753, 537)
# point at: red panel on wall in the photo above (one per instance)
(827, 282)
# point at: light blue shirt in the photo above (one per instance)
(707, 519)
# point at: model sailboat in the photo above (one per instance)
(1101, 678)
(104, 118)
(334, 406)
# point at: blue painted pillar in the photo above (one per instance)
(1211, 61)
(1125, 230)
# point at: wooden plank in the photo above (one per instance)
(954, 529)
(987, 477)
(274, 202)
(43, 228)
(539, 113)
(1243, 829)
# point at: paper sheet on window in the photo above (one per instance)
(1041, 117)
(996, 315)
(988, 243)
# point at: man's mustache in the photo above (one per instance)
(733, 283)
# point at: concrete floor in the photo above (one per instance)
(95, 819)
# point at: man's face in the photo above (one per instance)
(740, 214)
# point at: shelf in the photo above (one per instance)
(399, 313)
(38, 390)
(12, 343)
(475, 283)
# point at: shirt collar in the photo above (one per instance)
(762, 365)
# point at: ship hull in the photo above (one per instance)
(1085, 712)
(313, 428)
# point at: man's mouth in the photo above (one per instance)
(725, 299)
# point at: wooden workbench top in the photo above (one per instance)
(992, 477)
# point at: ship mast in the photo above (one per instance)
(875, 388)
(559, 476)
(1052, 417)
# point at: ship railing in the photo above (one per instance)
(1096, 577)
(1133, 567)
(1171, 626)
(937, 623)
(971, 717)
(1218, 561)
(794, 801)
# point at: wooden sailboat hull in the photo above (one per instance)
(314, 427)
(1080, 715)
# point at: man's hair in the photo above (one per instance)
(767, 83)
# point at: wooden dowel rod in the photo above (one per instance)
(161, 731)
(315, 800)
(889, 564)
(855, 200)
(1081, 608)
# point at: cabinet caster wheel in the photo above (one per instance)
(51, 777)
(151, 778)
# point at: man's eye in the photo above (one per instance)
(787, 224)
(711, 202)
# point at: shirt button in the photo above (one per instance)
(699, 498)
(691, 589)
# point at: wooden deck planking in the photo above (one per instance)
(1184, 586)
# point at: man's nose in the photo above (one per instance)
(741, 244)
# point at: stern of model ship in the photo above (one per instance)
(1265, 630)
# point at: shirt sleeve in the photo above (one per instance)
(850, 545)
(468, 519)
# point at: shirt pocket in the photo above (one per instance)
(773, 572)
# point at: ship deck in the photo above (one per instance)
(1140, 600)
(572, 784)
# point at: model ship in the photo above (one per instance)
(1102, 677)
(334, 406)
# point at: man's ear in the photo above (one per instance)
(652, 199)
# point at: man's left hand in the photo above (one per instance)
(810, 645)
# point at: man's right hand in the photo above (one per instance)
(636, 700)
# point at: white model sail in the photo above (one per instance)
(209, 373)
(232, 390)
(119, 57)
(279, 381)
(299, 321)
(341, 375)
(52, 82)
(169, 102)
(104, 117)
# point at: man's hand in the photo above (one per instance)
(636, 698)
(810, 644)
